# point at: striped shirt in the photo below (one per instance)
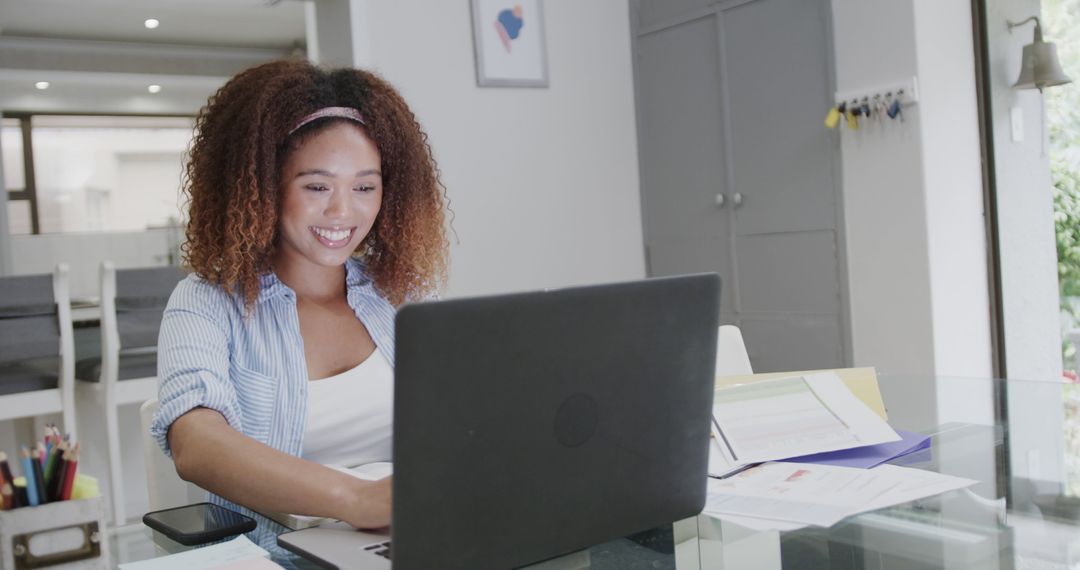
(252, 370)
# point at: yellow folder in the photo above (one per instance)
(861, 381)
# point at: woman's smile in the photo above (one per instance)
(333, 237)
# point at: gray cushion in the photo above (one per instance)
(28, 325)
(138, 327)
(140, 365)
(22, 377)
(141, 296)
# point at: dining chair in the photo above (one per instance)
(732, 358)
(164, 488)
(132, 304)
(37, 351)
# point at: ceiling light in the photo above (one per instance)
(151, 23)
(154, 88)
(42, 85)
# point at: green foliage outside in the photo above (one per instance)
(1062, 19)
(1062, 26)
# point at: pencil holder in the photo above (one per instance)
(60, 535)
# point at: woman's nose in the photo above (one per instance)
(338, 205)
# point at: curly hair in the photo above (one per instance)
(233, 187)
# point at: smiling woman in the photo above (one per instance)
(234, 176)
(315, 209)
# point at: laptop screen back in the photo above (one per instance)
(531, 425)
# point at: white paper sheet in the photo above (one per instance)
(235, 550)
(820, 495)
(791, 417)
(760, 525)
(721, 463)
(793, 494)
(915, 484)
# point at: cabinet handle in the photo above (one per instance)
(720, 201)
(736, 198)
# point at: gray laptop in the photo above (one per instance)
(531, 425)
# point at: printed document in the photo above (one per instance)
(790, 417)
(794, 494)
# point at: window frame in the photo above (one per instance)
(25, 118)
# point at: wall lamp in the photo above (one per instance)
(1040, 67)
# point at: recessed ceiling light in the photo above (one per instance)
(154, 88)
(151, 23)
(42, 85)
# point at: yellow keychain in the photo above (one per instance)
(833, 118)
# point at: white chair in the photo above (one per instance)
(731, 356)
(731, 360)
(132, 302)
(37, 351)
(164, 487)
(706, 538)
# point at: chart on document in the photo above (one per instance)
(788, 417)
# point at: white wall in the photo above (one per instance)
(912, 199)
(952, 175)
(543, 182)
(888, 271)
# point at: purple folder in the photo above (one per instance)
(871, 455)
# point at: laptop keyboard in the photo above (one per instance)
(381, 548)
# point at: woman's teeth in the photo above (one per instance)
(332, 235)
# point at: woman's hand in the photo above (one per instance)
(369, 506)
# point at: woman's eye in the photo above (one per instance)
(316, 187)
(367, 188)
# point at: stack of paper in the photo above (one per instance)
(785, 496)
(236, 554)
(789, 417)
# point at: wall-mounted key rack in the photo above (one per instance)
(878, 104)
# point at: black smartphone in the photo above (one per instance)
(199, 523)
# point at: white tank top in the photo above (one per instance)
(350, 416)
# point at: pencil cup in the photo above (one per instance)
(65, 535)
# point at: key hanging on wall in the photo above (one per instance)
(832, 118)
(880, 106)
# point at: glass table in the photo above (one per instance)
(651, 550)
(1019, 515)
(1016, 440)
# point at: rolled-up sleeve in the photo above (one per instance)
(193, 358)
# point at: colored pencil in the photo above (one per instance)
(56, 486)
(39, 477)
(20, 499)
(28, 474)
(5, 469)
(52, 463)
(69, 473)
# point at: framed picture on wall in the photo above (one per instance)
(508, 36)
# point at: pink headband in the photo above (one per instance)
(342, 112)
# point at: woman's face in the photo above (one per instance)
(332, 193)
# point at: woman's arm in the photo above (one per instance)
(210, 453)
